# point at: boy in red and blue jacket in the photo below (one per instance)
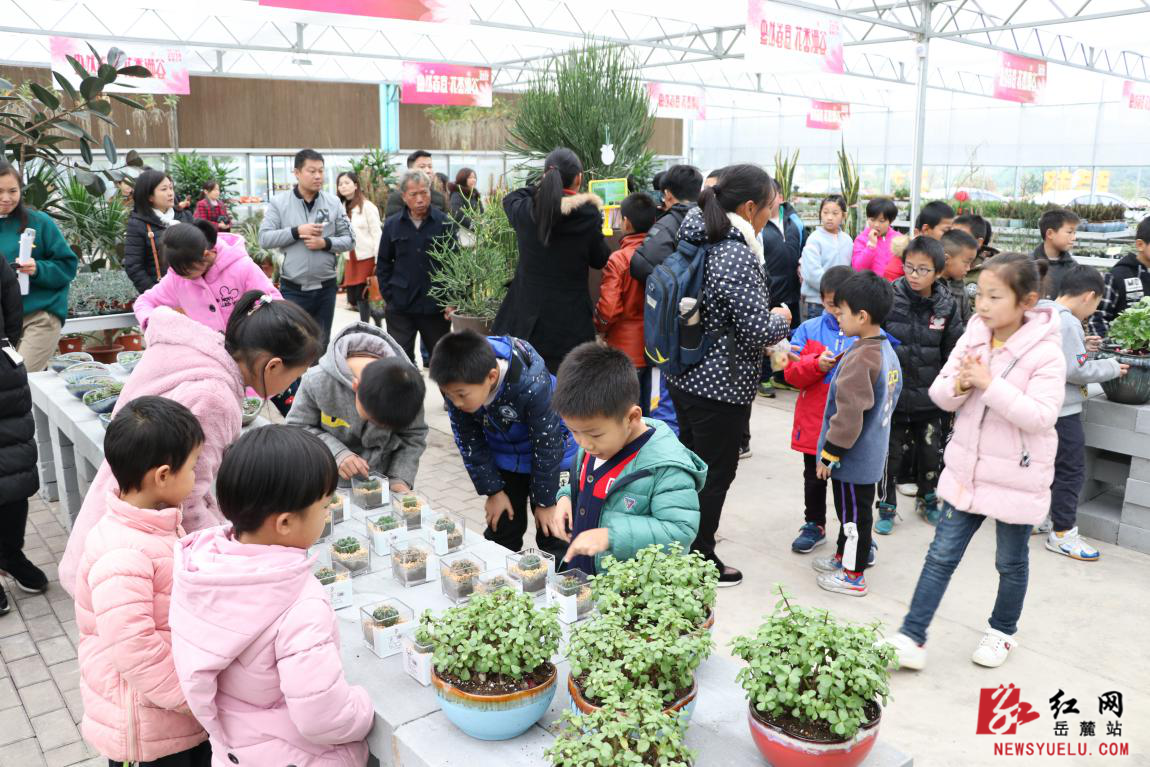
(818, 344)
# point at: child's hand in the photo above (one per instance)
(1123, 369)
(353, 466)
(1093, 343)
(588, 543)
(827, 360)
(555, 520)
(974, 373)
(495, 507)
(822, 471)
(400, 487)
(872, 238)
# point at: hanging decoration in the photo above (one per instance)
(784, 39)
(828, 115)
(445, 84)
(1020, 79)
(165, 62)
(408, 10)
(673, 100)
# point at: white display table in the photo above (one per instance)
(98, 322)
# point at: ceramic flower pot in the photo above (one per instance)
(62, 362)
(133, 342)
(684, 707)
(69, 344)
(1132, 388)
(105, 353)
(461, 322)
(494, 717)
(783, 749)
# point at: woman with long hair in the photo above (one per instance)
(560, 235)
(154, 210)
(465, 197)
(365, 223)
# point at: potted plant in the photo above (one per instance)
(382, 623)
(494, 689)
(417, 652)
(815, 686)
(458, 576)
(70, 344)
(367, 493)
(632, 731)
(383, 529)
(494, 580)
(447, 533)
(409, 563)
(64, 360)
(103, 399)
(410, 506)
(352, 553)
(659, 580)
(1129, 342)
(251, 410)
(572, 592)
(531, 568)
(336, 582)
(132, 339)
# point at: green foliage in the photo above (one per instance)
(348, 545)
(632, 733)
(785, 172)
(444, 525)
(500, 634)
(249, 229)
(103, 292)
(385, 615)
(190, 170)
(92, 224)
(849, 184)
(804, 663)
(500, 108)
(387, 522)
(656, 583)
(588, 97)
(474, 280)
(1130, 330)
(376, 176)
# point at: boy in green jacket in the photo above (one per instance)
(633, 483)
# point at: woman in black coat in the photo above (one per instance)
(153, 212)
(18, 478)
(560, 234)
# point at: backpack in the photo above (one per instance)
(672, 341)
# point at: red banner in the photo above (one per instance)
(1020, 79)
(408, 10)
(672, 100)
(781, 39)
(1136, 98)
(828, 115)
(445, 84)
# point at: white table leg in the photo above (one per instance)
(45, 461)
(67, 484)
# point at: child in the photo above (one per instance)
(819, 342)
(253, 634)
(925, 322)
(1059, 229)
(134, 709)
(207, 274)
(1005, 380)
(365, 401)
(827, 247)
(872, 246)
(1127, 282)
(210, 209)
(934, 220)
(1078, 299)
(893, 270)
(960, 248)
(498, 393)
(978, 228)
(633, 482)
(619, 313)
(856, 429)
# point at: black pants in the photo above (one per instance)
(403, 327)
(320, 304)
(853, 503)
(711, 429)
(814, 493)
(916, 440)
(508, 533)
(357, 297)
(1069, 472)
(13, 520)
(199, 756)
(644, 389)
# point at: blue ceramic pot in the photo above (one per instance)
(494, 717)
(62, 362)
(94, 381)
(80, 370)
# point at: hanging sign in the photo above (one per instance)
(827, 115)
(1020, 79)
(1136, 96)
(408, 10)
(784, 39)
(674, 100)
(165, 62)
(445, 84)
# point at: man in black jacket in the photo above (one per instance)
(1127, 283)
(680, 185)
(419, 160)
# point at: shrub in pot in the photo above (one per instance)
(631, 731)
(815, 686)
(1129, 342)
(493, 675)
(656, 581)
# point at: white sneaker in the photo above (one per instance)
(909, 489)
(1042, 528)
(993, 648)
(909, 653)
(1071, 545)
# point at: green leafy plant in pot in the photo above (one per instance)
(630, 731)
(1129, 342)
(814, 685)
(656, 582)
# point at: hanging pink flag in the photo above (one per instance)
(784, 39)
(827, 115)
(674, 100)
(165, 62)
(408, 10)
(446, 84)
(1020, 79)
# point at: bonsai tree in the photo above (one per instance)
(806, 669)
(631, 731)
(658, 584)
(1130, 330)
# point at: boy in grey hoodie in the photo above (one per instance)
(365, 401)
(1079, 294)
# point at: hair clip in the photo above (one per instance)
(263, 300)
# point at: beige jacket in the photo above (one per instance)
(368, 229)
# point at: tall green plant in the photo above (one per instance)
(849, 184)
(588, 97)
(190, 170)
(785, 172)
(474, 280)
(376, 176)
(92, 224)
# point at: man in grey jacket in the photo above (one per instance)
(310, 226)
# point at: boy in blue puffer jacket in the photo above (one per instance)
(514, 446)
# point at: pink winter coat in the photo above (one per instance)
(209, 299)
(134, 709)
(257, 652)
(876, 258)
(186, 362)
(1000, 460)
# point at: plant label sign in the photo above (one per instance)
(389, 641)
(167, 63)
(340, 593)
(781, 39)
(382, 541)
(416, 664)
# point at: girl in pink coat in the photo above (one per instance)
(134, 710)
(207, 274)
(253, 634)
(268, 344)
(1005, 379)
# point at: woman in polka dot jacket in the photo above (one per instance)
(713, 398)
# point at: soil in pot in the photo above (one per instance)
(105, 353)
(817, 731)
(482, 684)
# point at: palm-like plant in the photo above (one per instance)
(785, 172)
(92, 224)
(849, 184)
(376, 176)
(190, 170)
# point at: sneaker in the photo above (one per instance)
(4, 606)
(929, 510)
(1070, 544)
(835, 563)
(729, 576)
(1043, 527)
(910, 654)
(744, 452)
(884, 525)
(993, 648)
(810, 535)
(781, 385)
(842, 583)
(766, 390)
(909, 489)
(27, 576)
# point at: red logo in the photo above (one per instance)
(1001, 710)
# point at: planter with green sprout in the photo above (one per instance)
(383, 625)
(351, 551)
(1129, 343)
(532, 568)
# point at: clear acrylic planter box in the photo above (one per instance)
(491, 581)
(336, 581)
(411, 562)
(570, 590)
(384, 625)
(417, 659)
(336, 511)
(458, 575)
(369, 494)
(532, 568)
(446, 531)
(353, 552)
(384, 527)
(412, 507)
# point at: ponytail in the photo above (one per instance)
(737, 185)
(184, 246)
(259, 325)
(560, 170)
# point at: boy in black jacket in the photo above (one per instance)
(1127, 283)
(680, 185)
(926, 323)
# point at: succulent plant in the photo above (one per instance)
(410, 501)
(385, 615)
(463, 568)
(529, 562)
(348, 545)
(444, 525)
(411, 557)
(325, 574)
(386, 522)
(369, 486)
(496, 583)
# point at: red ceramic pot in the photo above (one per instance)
(782, 749)
(132, 342)
(69, 344)
(105, 353)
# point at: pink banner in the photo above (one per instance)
(166, 63)
(828, 115)
(1020, 79)
(678, 101)
(782, 39)
(1136, 96)
(445, 84)
(408, 10)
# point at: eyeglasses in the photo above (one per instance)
(920, 271)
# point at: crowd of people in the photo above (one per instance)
(188, 560)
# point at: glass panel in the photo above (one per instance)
(871, 179)
(815, 180)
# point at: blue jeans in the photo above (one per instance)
(812, 310)
(320, 304)
(1011, 559)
